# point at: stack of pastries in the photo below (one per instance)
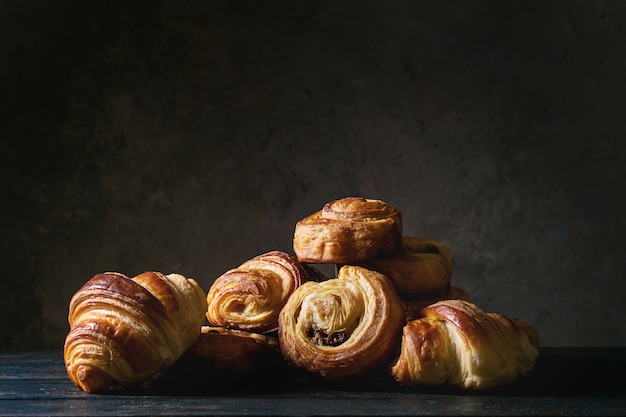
(390, 308)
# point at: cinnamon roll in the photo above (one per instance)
(348, 230)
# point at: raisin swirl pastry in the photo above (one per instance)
(250, 296)
(348, 230)
(456, 343)
(124, 331)
(341, 327)
(421, 266)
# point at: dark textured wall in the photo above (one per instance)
(189, 137)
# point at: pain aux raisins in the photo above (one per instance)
(321, 338)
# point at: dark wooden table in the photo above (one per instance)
(579, 381)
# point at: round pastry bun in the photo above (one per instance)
(348, 230)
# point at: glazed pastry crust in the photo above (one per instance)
(421, 266)
(250, 296)
(348, 230)
(126, 330)
(342, 327)
(456, 343)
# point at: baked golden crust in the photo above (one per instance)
(220, 360)
(250, 296)
(342, 327)
(413, 305)
(348, 230)
(126, 330)
(457, 343)
(226, 351)
(421, 266)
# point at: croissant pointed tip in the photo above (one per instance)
(91, 379)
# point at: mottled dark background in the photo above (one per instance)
(190, 136)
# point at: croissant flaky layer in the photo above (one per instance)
(348, 230)
(342, 327)
(125, 330)
(457, 343)
(250, 296)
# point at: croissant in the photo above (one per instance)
(348, 230)
(456, 343)
(342, 327)
(250, 296)
(421, 266)
(126, 330)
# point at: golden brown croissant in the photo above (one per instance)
(250, 296)
(348, 230)
(341, 327)
(421, 266)
(456, 343)
(126, 330)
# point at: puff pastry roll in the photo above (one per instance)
(456, 343)
(250, 296)
(421, 266)
(348, 230)
(126, 330)
(342, 327)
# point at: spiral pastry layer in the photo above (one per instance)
(348, 230)
(250, 296)
(341, 327)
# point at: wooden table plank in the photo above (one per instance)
(35, 384)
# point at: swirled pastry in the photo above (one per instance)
(126, 330)
(421, 266)
(250, 296)
(456, 343)
(413, 305)
(348, 230)
(342, 327)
